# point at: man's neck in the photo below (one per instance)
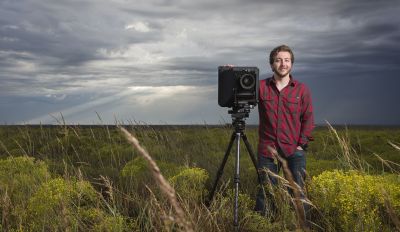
(281, 82)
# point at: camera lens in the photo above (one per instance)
(247, 81)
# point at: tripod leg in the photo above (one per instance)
(236, 181)
(220, 170)
(260, 181)
(252, 156)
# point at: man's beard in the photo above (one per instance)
(280, 74)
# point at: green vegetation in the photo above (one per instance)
(356, 200)
(82, 178)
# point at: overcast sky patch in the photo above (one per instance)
(85, 55)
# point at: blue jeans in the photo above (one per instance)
(297, 166)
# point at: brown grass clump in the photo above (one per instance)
(299, 209)
(165, 187)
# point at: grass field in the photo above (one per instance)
(89, 178)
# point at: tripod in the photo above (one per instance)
(238, 121)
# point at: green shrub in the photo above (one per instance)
(190, 183)
(256, 222)
(136, 172)
(70, 205)
(101, 221)
(353, 201)
(20, 177)
(61, 201)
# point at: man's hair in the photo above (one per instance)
(281, 48)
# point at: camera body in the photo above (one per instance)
(237, 86)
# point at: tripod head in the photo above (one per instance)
(239, 113)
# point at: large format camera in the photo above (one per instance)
(238, 89)
(237, 86)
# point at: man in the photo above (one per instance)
(286, 122)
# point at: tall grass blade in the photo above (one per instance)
(165, 187)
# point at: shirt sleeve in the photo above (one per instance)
(306, 118)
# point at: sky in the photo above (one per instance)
(155, 61)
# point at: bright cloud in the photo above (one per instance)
(138, 26)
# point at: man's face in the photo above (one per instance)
(282, 64)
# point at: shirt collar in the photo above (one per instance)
(292, 81)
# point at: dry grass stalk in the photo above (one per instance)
(6, 208)
(394, 145)
(390, 211)
(164, 216)
(282, 179)
(213, 210)
(165, 187)
(5, 148)
(286, 184)
(390, 164)
(298, 205)
(344, 145)
(109, 190)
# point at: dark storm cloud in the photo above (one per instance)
(63, 33)
(50, 49)
(41, 34)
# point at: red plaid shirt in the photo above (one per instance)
(286, 117)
